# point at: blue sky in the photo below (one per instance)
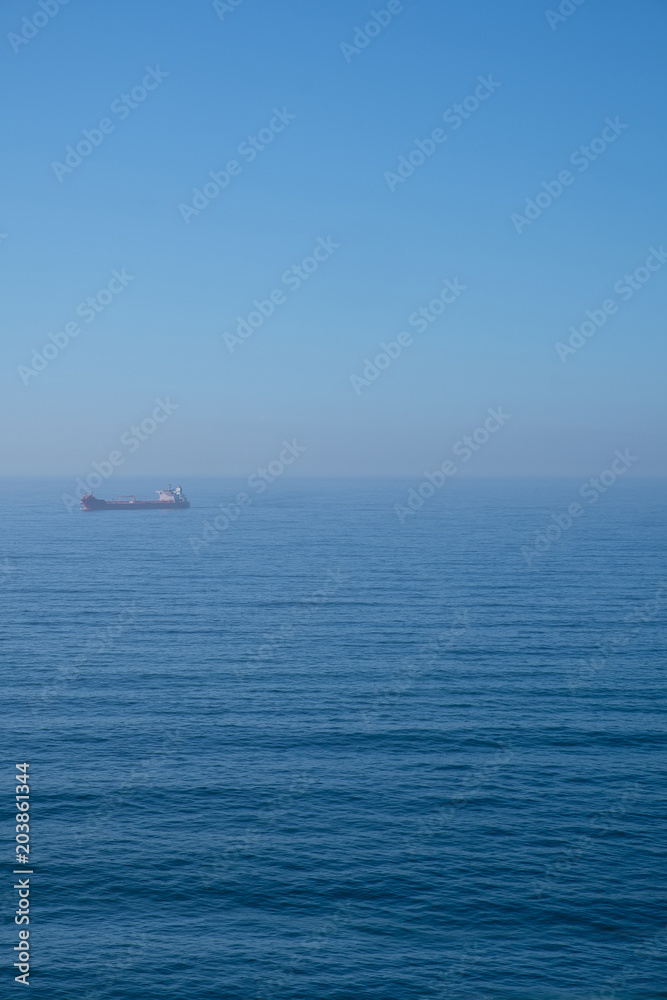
(217, 81)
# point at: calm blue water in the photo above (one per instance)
(334, 756)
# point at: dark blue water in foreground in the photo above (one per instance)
(334, 756)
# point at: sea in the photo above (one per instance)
(342, 741)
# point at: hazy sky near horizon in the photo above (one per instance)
(584, 93)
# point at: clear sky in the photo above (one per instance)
(339, 118)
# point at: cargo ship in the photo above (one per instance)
(169, 500)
